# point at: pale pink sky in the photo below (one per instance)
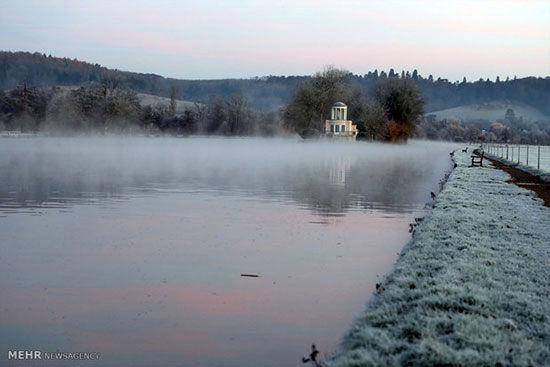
(244, 38)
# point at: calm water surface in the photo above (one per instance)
(134, 248)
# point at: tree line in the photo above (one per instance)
(270, 92)
(508, 129)
(105, 107)
(392, 112)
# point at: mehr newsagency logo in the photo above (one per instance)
(51, 356)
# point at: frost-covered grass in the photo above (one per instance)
(472, 288)
(542, 174)
(490, 111)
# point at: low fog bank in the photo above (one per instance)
(327, 177)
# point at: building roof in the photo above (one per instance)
(339, 104)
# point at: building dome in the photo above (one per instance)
(339, 104)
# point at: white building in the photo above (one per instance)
(339, 126)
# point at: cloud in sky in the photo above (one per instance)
(244, 38)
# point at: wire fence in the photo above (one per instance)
(536, 156)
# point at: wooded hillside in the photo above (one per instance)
(265, 93)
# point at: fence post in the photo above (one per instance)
(506, 151)
(519, 149)
(527, 155)
(538, 158)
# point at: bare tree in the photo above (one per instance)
(173, 103)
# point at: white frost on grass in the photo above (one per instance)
(543, 175)
(472, 288)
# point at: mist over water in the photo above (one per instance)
(133, 247)
(319, 175)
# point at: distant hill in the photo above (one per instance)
(181, 106)
(152, 100)
(492, 111)
(39, 70)
(265, 93)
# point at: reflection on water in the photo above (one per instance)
(134, 247)
(329, 178)
(338, 169)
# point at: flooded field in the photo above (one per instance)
(135, 248)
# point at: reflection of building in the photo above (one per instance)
(338, 169)
(339, 126)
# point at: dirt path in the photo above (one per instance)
(525, 180)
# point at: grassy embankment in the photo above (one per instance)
(472, 288)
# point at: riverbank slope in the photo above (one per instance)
(471, 288)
